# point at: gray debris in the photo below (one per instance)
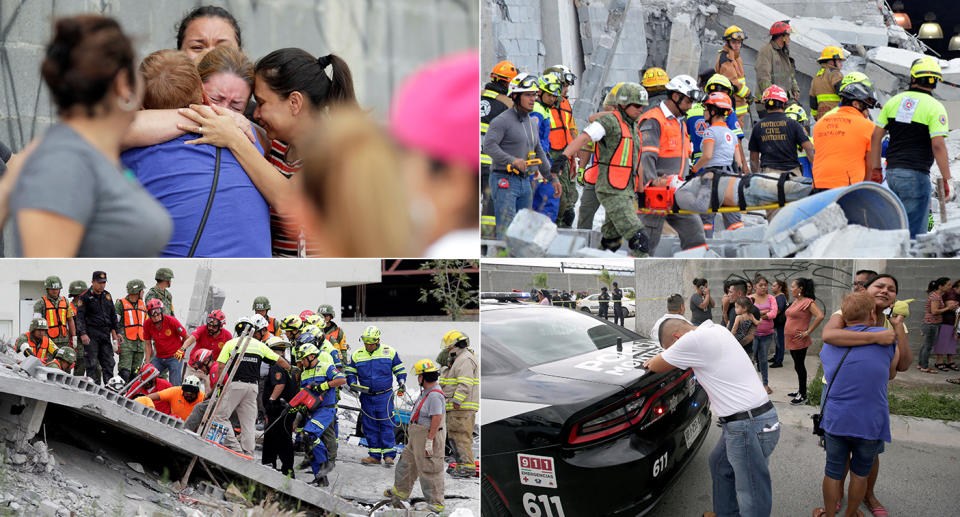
(530, 234)
(136, 467)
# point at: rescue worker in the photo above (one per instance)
(320, 378)
(587, 172)
(619, 168)
(161, 291)
(182, 399)
(153, 384)
(422, 458)
(279, 390)
(98, 328)
(824, 88)
(64, 358)
(655, 80)
(795, 111)
(58, 312)
(240, 394)
(563, 129)
(333, 332)
(697, 127)
(370, 373)
(843, 152)
(730, 65)
(774, 141)
(460, 381)
(513, 138)
(604, 303)
(132, 312)
(77, 287)
(774, 66)
(918, 128)
(163, 336)
(312, 335)
(36, 342)
(494, 100)
(205, 366)
(291, 325)
(617, 296)
(261, 306)
(549, 91)
(666, 152)
(211, 336)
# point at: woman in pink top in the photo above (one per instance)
(763, 337)
(932, 318)
(797, 330)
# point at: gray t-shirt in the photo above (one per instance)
(67, 176)
(434, 405)
(698, 315)
(724, 145)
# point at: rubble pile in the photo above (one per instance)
(532, 234)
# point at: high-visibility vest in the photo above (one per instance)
(674, 146)
(623, 162)
(561, 118)
(40, 350)
(133, 318)
(590, 175)
(56, 317)
(272, 326)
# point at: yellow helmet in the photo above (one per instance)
(831, 52)
(611, 98)
(734, 33)
(926, 66)
(796, 112)
(655, 76)
(717, 81)
(453, 337)
(423, 366)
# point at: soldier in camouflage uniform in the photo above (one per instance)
(161, 291)
(619, 168)
(261, 306)
(77, 287)
(132, 312)
(333, 332)
(58, 313)
(36, 343)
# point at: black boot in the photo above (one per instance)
(125, 375)
(612, 244)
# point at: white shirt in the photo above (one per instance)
(721, 367)
(655, 331)
(455, 244)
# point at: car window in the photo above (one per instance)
(594, 297)
(539, 336)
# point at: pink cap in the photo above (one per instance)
(435, 110)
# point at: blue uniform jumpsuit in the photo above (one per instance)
(322, 417)
(376, 371)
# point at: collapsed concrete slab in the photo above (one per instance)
(846, 32)
(530, 234)
(857, 241)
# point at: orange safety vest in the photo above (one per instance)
(56, 316)
(622, 162)
(271, 326)
(44, 347)
(560, 123)
(133, 318)
(335, 340)
(591, 173)
(674, 142)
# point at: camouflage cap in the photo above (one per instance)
(52, 282)
(261, 303)
(135, 286)
(67, 354)
(631, 93)
(326, 309)
(38, 324)
(77, 287)
(164, 274)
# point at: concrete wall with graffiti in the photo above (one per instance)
(381, 40)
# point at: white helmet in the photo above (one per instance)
(116, 383)
(242, 325)
(688, 86)
(523, 82)
(259, 322)
(192, 380)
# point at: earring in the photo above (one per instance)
(128, 104)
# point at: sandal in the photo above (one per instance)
(953, 366)
(928, 370)
(942, 367)
(954, 381)
(879, 511)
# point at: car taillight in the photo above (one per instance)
(623, 415)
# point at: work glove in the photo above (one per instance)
(402, 389)
(559, 165)
(580, 180)
(428, 447)
(178, 354)
(323, 386)
(946, 191)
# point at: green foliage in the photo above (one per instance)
(539, 281)
(451, 285)
(606, 278)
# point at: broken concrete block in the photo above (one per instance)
(530, 234)
(895, 60)
(782, 245)
(48, 508)
(746, 233)
(698, 252)
(683, 56)
(948, 237)
(565, 245)
(805, 233)
(753, 250)
(883, 81)
(594, 253)
(844, 31)
(859, 242)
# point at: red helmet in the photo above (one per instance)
(154, 304)
(720, 100)
(781, 27)
(304, 314)
(775, 93)
(199, 357)
(149, 370)
(217, 315)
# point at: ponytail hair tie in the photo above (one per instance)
(324, 61)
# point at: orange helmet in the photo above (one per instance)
(720, 100)
(781, 27)
(503, 70)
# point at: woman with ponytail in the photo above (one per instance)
(932, 318)
(293, 91)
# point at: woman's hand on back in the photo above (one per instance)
(215, 125)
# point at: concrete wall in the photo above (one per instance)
(299, 285)
(851, 10)
(500, 277)
(381, 40)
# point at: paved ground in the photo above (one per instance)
(918, 471)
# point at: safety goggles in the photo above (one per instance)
(739, 36)
(569, 78)
(698, 95)
(527, 82)
(368, 341)
(154, 312)
(213, 322)
(552, 88)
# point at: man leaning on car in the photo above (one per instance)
(739, 464)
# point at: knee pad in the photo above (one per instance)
(568, 216)
(639, 242)
(612, 244)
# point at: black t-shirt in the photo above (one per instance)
(732, 314)
(776, 137)
(278, 375)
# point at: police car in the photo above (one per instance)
(591, 304)
(571, 422)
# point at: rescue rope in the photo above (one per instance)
(721, 210)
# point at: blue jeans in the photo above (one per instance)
(171, 364)
(860, 451)
(913, 189)
(509, 200)
(931, 331)
(761, 344)
(778, 353)
(740, 467)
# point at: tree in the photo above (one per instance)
(451, 285)
(539, 281)
(606, 278)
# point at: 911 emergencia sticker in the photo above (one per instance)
(537, 471)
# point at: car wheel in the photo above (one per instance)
(585, 309)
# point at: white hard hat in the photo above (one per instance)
(523, 82)
(686, 85)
